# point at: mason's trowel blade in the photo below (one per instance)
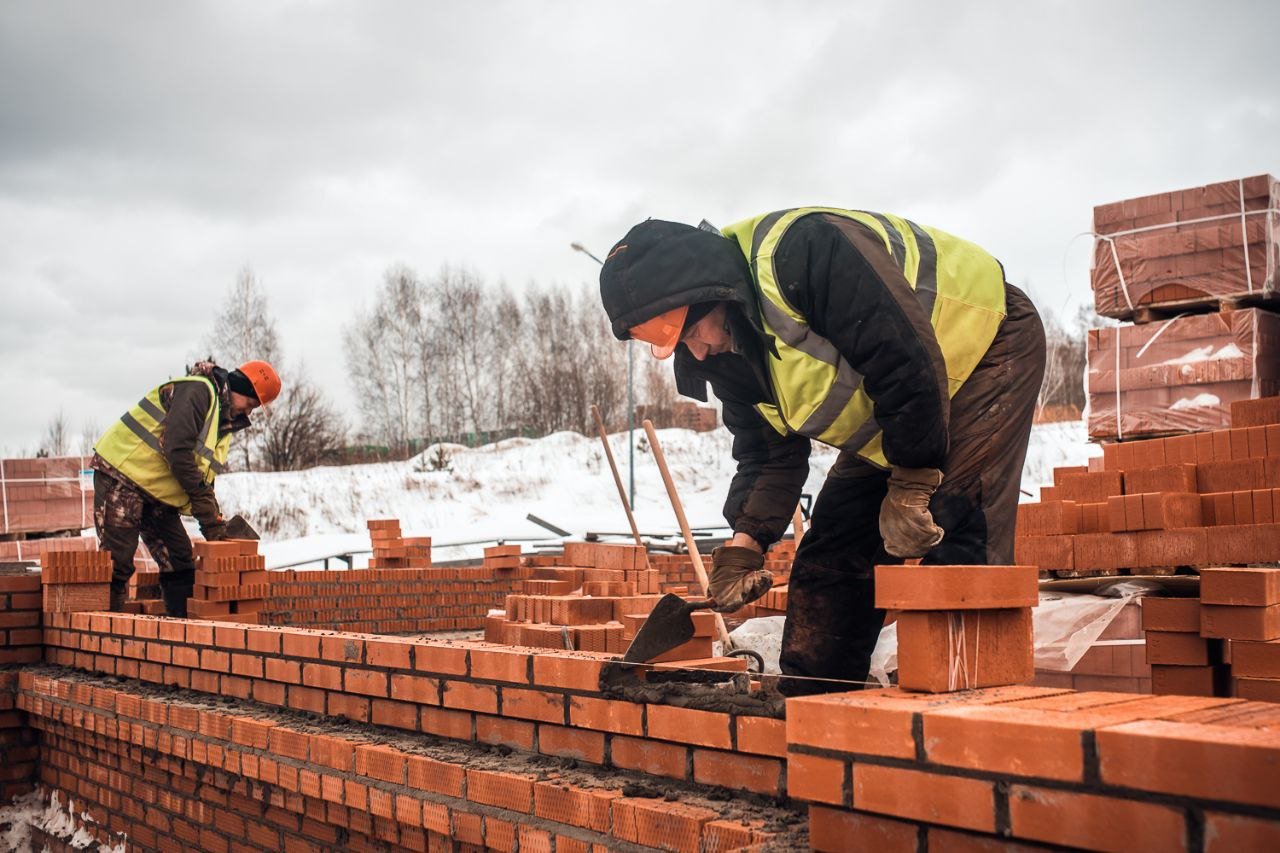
(669, 625)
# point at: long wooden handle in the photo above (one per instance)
(797, 523)
(698, 568)
(617, 480)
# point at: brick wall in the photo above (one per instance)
(890, 770)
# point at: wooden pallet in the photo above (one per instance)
(1206, 304)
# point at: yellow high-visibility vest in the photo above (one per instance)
(818, 393)
(132, 446)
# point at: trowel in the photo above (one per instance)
(239, 528)
(668, 626)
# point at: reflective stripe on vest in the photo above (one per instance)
(960, 287)
(133, 446)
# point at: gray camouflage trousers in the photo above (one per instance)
(122, 514)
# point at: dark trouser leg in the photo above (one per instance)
(991, 416)
(832, 621)
(117, 516)
(170, 547)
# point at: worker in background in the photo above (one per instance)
(900, 345)
(158, 463)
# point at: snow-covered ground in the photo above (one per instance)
(487, 492)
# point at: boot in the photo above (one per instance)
(831, 630)
(119, 594)
(175, 588)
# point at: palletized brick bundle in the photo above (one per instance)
(1180, 375)
(76, 581)
(231, 582)
(44, 495)
(1214, 241)
(960, 627)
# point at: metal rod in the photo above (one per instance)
(698, 568)
(617, 480)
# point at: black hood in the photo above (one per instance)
(663, 265)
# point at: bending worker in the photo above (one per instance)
(159, 461)
(900, 345)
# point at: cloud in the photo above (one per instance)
(148, 153)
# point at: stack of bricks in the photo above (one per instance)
(593, 598)
(501, 558)
(44, 495)
(960, 627)
(20, 604)
(1182, 661)
(1014, 767)
(393, 550)
(231, 583)
(686, 415)
(76, 581)
(1150, 506)
(1172, 257)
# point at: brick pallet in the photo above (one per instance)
(44, 495)
(1187, 247)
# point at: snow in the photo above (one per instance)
(486, 492)
(30, 810)
(1207, 353)
(1199, 401)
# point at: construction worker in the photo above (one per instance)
(900, 345)
(158, 463)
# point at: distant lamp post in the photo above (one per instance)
(631, 397)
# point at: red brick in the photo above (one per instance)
(471, 697)
(427, 774)
(1257, 587)
(569, 671)
(446, 660)
(1234, 765)
(668, 825)
(504, 790)
(817, 779)
(945, 651)
(1255, 659)
(929, 797)
(1187, 680)
(571, 743)
(296, 643)
(1226, 833)
(653, 757)
(1240, 623)
(1093, 822)
(365, 681)
(956, 587)
(762, 736)
(738, 772)
(1182, 649)
(686, 725)
(839, 831)
(500, 665)
(516, 734)
(606, 715)
(1171, 614)
(562, 803)
(415, 688)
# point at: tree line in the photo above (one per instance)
(451, 358)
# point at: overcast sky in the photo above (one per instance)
(149, 151)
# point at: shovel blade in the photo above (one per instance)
(668, 626)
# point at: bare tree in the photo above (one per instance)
(304, 430)
(57, 435)
(384, 358)
(1062, 393)
(89, 434)
(244, 330)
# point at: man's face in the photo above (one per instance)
(710, 335)
(242, 405)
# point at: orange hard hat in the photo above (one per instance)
(265, 380)
(662, 333)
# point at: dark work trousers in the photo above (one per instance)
(832, 621)
(122, 513)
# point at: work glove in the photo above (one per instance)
(204, 506)
(738, 577)
(905, 522)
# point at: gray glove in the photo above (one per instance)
(738, 577)
(905, 523)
